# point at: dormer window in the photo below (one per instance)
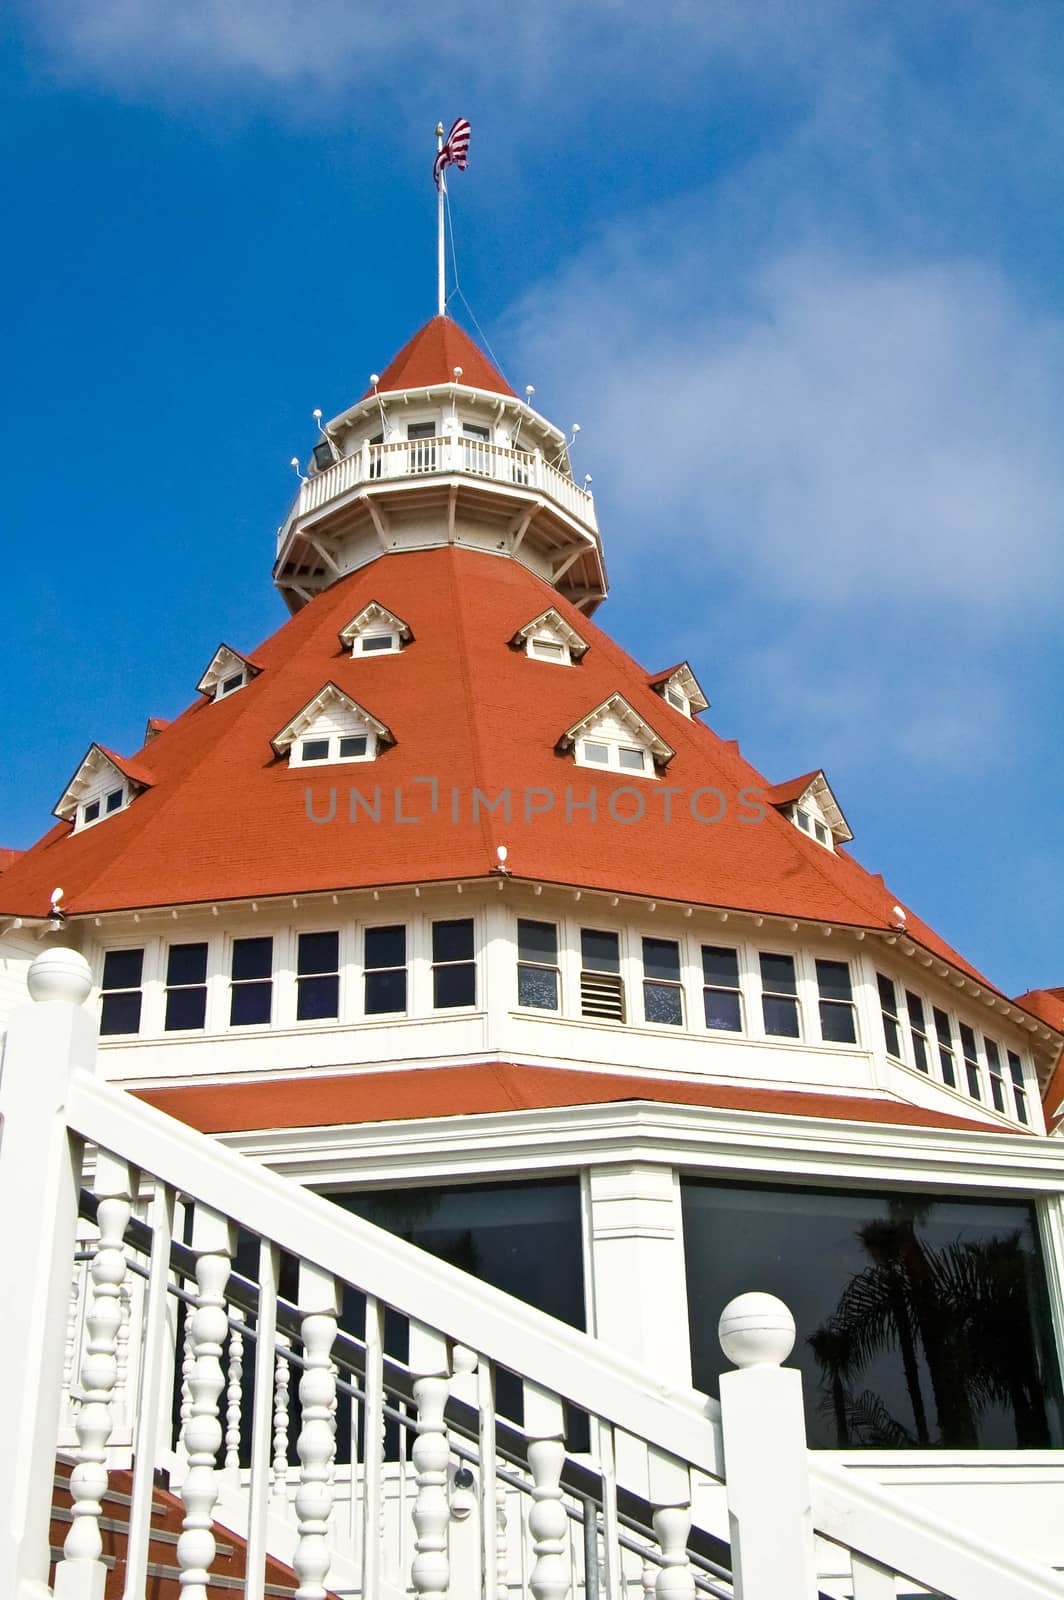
(549, 637)
(330, 729)
(103, 785)
(679, 686)
(809, 803)
(616, 737)
(376, 631)
(228, 671)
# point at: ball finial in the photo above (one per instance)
(60, 974)
(756, 1330)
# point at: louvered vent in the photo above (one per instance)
(602, 996)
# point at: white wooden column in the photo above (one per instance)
(638, 1288)
(40, 1170)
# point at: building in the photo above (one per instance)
(440, 904)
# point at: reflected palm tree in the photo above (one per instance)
(958, 1316)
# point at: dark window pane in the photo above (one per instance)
(120, 1013)
(596, 752)
(837, 1024)
(114, 799)
(723, 1010)
(916, 1011)
(833, 980)
(252, 958)
(537, 941)
(353, 745)
(385, 991)
(600, 952)
(250, 1003)
(892, 1035)
(781, 1016)
(386, 947)
(663, 1002)
(92, 811)
(453, 941)
(888, 997)
(233, 682)
(315, 750)
(661, 959)
(537, 986)
(777, 974)
(631, 760)
(185, 1008)
(318, 952)
(454, 986)
(186, 963)
(720, 966)
(376, 641)
(923, 1322)
(318, 997)
(122, 969)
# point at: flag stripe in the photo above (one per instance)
(455, 150)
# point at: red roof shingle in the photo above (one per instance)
(430, 357)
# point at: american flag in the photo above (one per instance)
(455, 149)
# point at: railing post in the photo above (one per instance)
(765, 1455)
(40, 1171)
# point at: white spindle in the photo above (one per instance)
(213, 1242)
(80, 1574)
(156, 1369)
(372, 1447)
(234, 1394)
(282, 1378)
(188, 1362)
(669, 1488)
(262, 1423)
(319, 1303)
(430, 1572)
(547, 1521)
(123, 1406)
(489, 1484)
(648, 1578)
(502, 1553)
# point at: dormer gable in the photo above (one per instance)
(331, 728)
(376, 631)
(615, 738)
(153, 727)
(228, 672)
(810, 804)
(679, 686)
(104, 784)
(549, 637)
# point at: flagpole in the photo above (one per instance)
(441, 262)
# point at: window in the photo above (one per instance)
(229, 685)
(477, 444)
(804, 820)
(601, 984)
(548, 650)
(314, 750)
(918, 1031)
(631, 759)
(333, 748)
(372, 643)
(888, 1005)
(971, 1061)
(537, 965)
(598, 754)
(385, 970)
(944, 1035)
(677, 698)
(721, 995)
(623, 757)
(779, 997)
(352, 746)
(997, 1074)
(186, 987)
(662, 994)
(114, 800)
(120, 991)
(251, 990)
(454, 971)
(90, 813)
(422, 452)
(838, 1024)
(822, 835)
(318, 976)
(1019, 1088)
(810, 824)
(926, 1318)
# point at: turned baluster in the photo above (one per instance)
(213, 1244)
(430, 1572)
(319, 1303)
(670, 1493)
(234, 1395)
(282, 1378)
(80, 1574)
(547, 1521)
(502, 1559)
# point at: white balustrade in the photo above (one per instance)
(547, 1520)
(430, 1572)
(213, 1243)
(319, 1304)
(81, 1573)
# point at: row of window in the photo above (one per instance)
(924, 1036)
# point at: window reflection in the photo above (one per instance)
(922, 1322)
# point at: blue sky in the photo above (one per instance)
(795, 268)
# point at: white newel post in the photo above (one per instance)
(40, 1171)
(765, 1454)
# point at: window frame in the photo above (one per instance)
(367, 970)
(332, 758)
(337, 972)
(613, 748)
(528, 963)
(202, 985)
(234, 983)
(137, 989)
(674, 986)
(781, 994)
(470, 961)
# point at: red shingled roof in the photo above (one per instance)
(8, 857)
(431, 356)
(497, 1086)
(225, 819)
(1046, 1004)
